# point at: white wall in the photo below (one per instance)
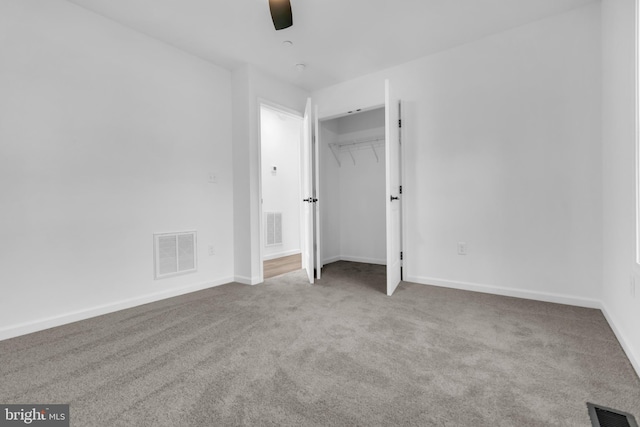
(250, 87)
(355, 193)
(106, 136)
(280, 147)
(242, 176)
(618, 154)
(502, 151)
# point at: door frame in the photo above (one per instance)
(318, 119)
(283, 110)
(334, 114)
(394, 202)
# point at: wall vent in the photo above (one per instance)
(273, 228)
(174, 253)
(606, 417)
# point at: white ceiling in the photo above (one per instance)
(336, 39)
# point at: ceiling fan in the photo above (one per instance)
(281, 13)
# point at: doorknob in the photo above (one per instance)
(307, 200)
(394, 198)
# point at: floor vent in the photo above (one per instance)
(607, 417)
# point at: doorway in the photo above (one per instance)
(363, 133)
(352, 164)
(280, 132)
(310, 192)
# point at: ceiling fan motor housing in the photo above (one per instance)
(281, 13)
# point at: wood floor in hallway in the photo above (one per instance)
(278, 266)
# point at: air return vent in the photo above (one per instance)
(607, 417)
(175, 253)
(273, 228)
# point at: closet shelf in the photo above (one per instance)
(370, 143)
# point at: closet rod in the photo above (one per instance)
(364, 144)
(354, 142)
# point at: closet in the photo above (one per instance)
(352, 187)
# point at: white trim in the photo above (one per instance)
(337, 113)
(281, 254)
(74, 316)
(242, 280)
(354, 259)
(637, 135)
(509, 292)
(247, 280)
(267, 104)
(330, 260)
(279, 108)
(261, 242)
(633, 358)
(42, 324)
(363, 259)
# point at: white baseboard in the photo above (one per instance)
(330, 260)
(50, 322)
(633, 357)
(63, 319)
(355, 259)
(281, 254)
(244, 280)
(363, 260)
(509, 292)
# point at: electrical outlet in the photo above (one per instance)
(462, 248)
(213, 179)
(212, 250)
(632, 286)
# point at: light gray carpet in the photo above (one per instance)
(337, 353)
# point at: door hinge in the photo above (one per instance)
(399, 123)
(401, 189)
(401, 255)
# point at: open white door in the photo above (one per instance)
(316, 192)
(307, 193)
(392, 152)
